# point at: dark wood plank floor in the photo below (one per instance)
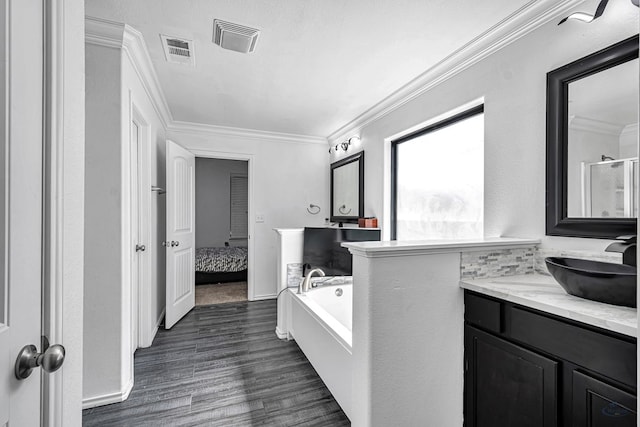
(223, 365)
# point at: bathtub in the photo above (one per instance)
(320, 322)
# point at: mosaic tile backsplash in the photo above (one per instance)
(497, 263)
(511, 262)
(541, 268)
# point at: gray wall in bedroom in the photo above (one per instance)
(212, 199)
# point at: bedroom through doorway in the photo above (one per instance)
(222, 232)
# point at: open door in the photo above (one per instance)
(180, 239)
(21, 211)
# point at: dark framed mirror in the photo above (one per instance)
(592, 154)
(347, 189)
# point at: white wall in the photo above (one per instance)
(153, 258)
(513, 84)
(213, 201)
(102, 275)
(585, 146)
(286, 178)
(113, 91)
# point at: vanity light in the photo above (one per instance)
(585, 17)
(345, 144)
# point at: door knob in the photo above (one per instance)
(174, 243)
(140, 248)
(28, 358)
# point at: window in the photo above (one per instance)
(239, 207)
(438, 180)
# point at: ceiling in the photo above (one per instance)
(318, 64)
(610, 96)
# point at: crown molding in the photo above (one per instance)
(116, 35)
(630, 129)
(594, 126)
(227, 132)
(102, 32)
(526, 19)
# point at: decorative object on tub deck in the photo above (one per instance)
(369, 222)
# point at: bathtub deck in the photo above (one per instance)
(223, 365)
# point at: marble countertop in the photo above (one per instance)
(400, 248)
(545, 294)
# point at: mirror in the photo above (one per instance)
(592, 154)
(347, 189)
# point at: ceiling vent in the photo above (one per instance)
(178, 51)
(234, 37)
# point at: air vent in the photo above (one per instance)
(234, 37)
(177, 50)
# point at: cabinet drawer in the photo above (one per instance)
(483, 312)
(612, 357)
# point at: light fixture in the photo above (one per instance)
(345, 144)
(586, 17)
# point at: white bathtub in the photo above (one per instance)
(320, 323)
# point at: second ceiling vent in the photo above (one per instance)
(235, 37)
(178, 50)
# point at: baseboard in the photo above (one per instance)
(280, 334)
(158, 322)
(109, 398)
(263, 297)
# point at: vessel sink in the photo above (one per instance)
(595, 280)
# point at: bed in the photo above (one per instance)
(221, 264)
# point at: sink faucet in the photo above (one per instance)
(306, 283)
(627, 247)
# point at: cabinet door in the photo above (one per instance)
(597, 404)
(507, 385)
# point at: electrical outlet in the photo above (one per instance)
(259, 218)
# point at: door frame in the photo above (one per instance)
(140, 288)
(63, 219)
(249, 158)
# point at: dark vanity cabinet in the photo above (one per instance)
(524, 367)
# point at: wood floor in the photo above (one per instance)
(222, 365)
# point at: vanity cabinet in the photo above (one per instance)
(524, 367)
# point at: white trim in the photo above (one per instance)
(157, 327)
(240, 133)
(64, 198)
(263, 297)
(116, 35)
(595, 126)
(108, 398)
(102, 32)
(249, 158)
(136, 49)
(526, 19)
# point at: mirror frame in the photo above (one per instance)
(557, 221)
(358, 157)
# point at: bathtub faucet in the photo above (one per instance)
(306, 283)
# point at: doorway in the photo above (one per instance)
(222, 230)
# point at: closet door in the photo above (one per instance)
(180, 239)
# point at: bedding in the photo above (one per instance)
(228, 259)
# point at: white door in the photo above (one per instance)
(180, 239)
(136, 241)
(21, 136)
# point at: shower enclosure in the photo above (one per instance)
(608, 188)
